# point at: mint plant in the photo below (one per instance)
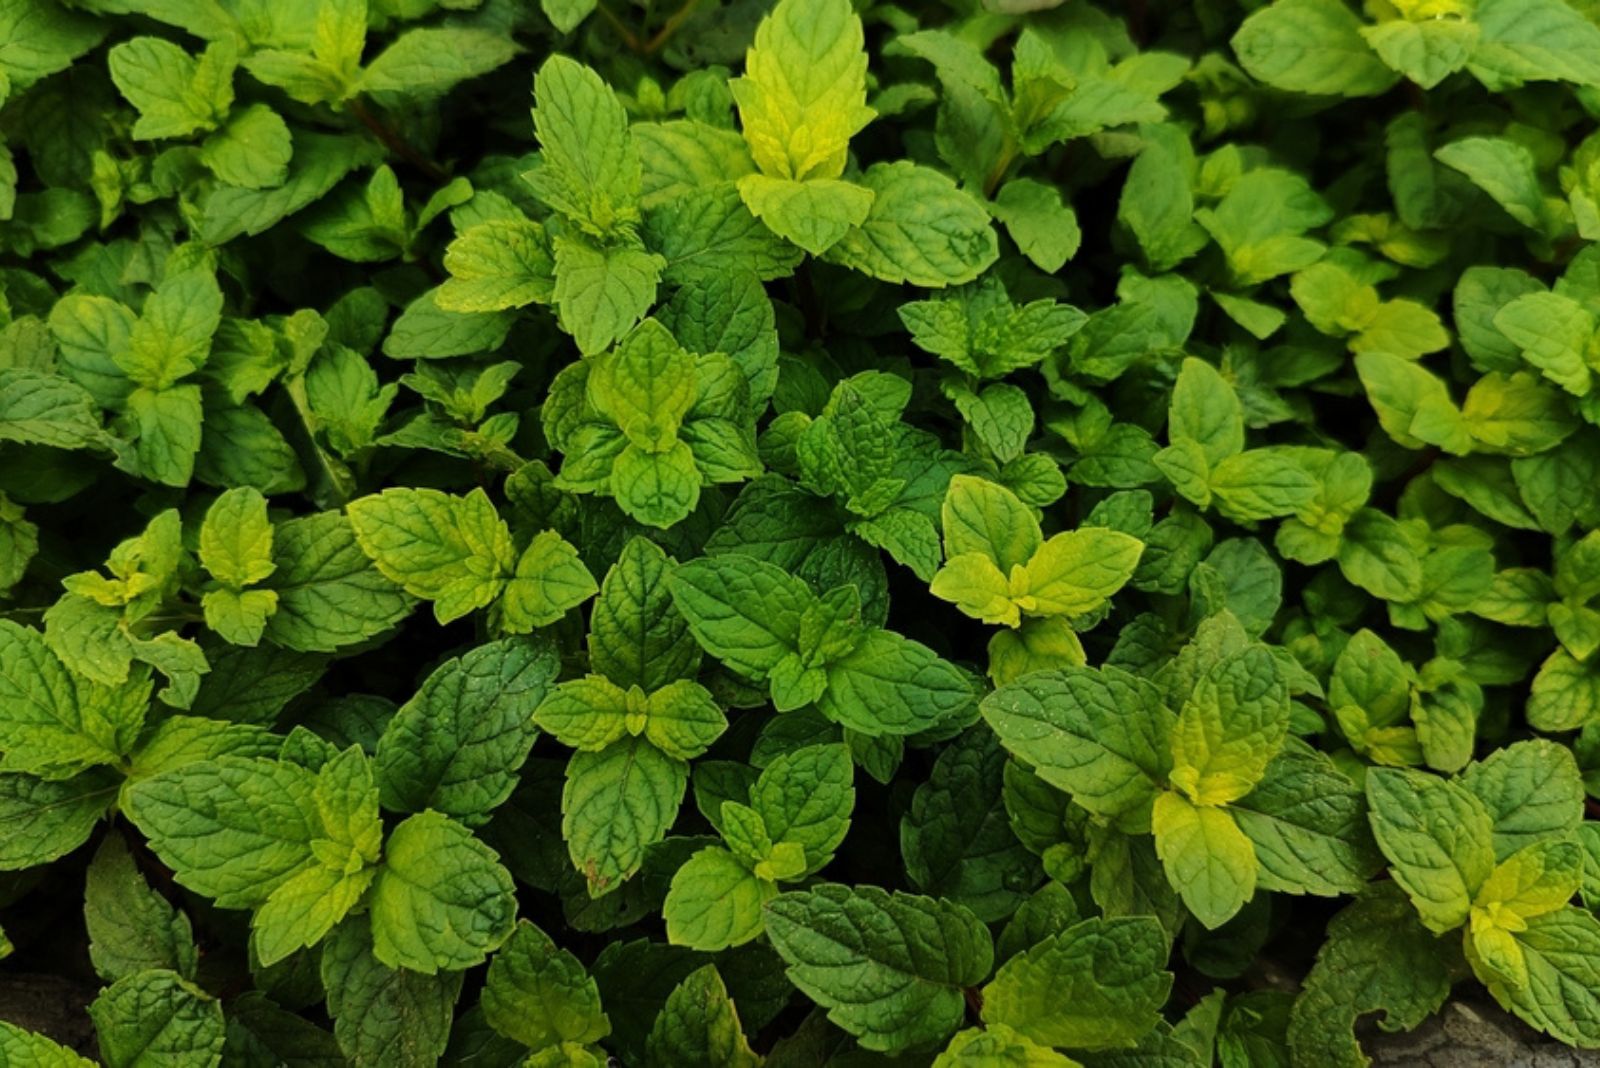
(786, 532)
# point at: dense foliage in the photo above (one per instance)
(1029, 533)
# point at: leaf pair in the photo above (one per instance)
(459, 553)
(303, 848)
(768, 626)
(649, 424)
(794, 817)
(1492, 852)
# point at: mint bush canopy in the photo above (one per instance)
(819, 532)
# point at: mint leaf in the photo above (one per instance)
(888, 967)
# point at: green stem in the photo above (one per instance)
(1008, 155)
(397, 145)
(674, 22)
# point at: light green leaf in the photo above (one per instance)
(497, 264)
(815, 214)
(1231, 727)
(1310, 46)
(1206, 410)
(1438, 839)
(602, 293)
(455, 551)
(1207, 858)
(715, 902)
(539, 994)
(588, 165)
(804, 90)
(26, 1048)
(1099, 984)
(441, 901)
(175, 94)
(252, 150)
(549, 581)
(921, 228)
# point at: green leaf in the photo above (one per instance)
(1207, 857)
(539, 995)
(1534, 40)
(743, 611)
(995, 1045)
(589, 168)
(891, 685)
(330, 594)
(1231, 727)
(425, 63)
(441, 901)
(1565, 694)
(617, 802)
(1426, 52)
(637, 636)
(1308, 824)
(1099, 984)
(457, 745)
(384, 1015)
(920, 228)
(131, 927)
(957, 839)
(715, 901)
(804, 91)
(889, 968)
(44, 409)
(700, 1025)
(549, 581)
(233, 829)
(1438, 839)
(1553, 333)
(1377, 958)
(175, 94)
(1075, 572)
(1310, 46)
(980, 516)
(454, 551)
(44, 819)
(1503, 169)
(157, 1017)
(1045, 230)
(1102, 736)
(56, 724)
